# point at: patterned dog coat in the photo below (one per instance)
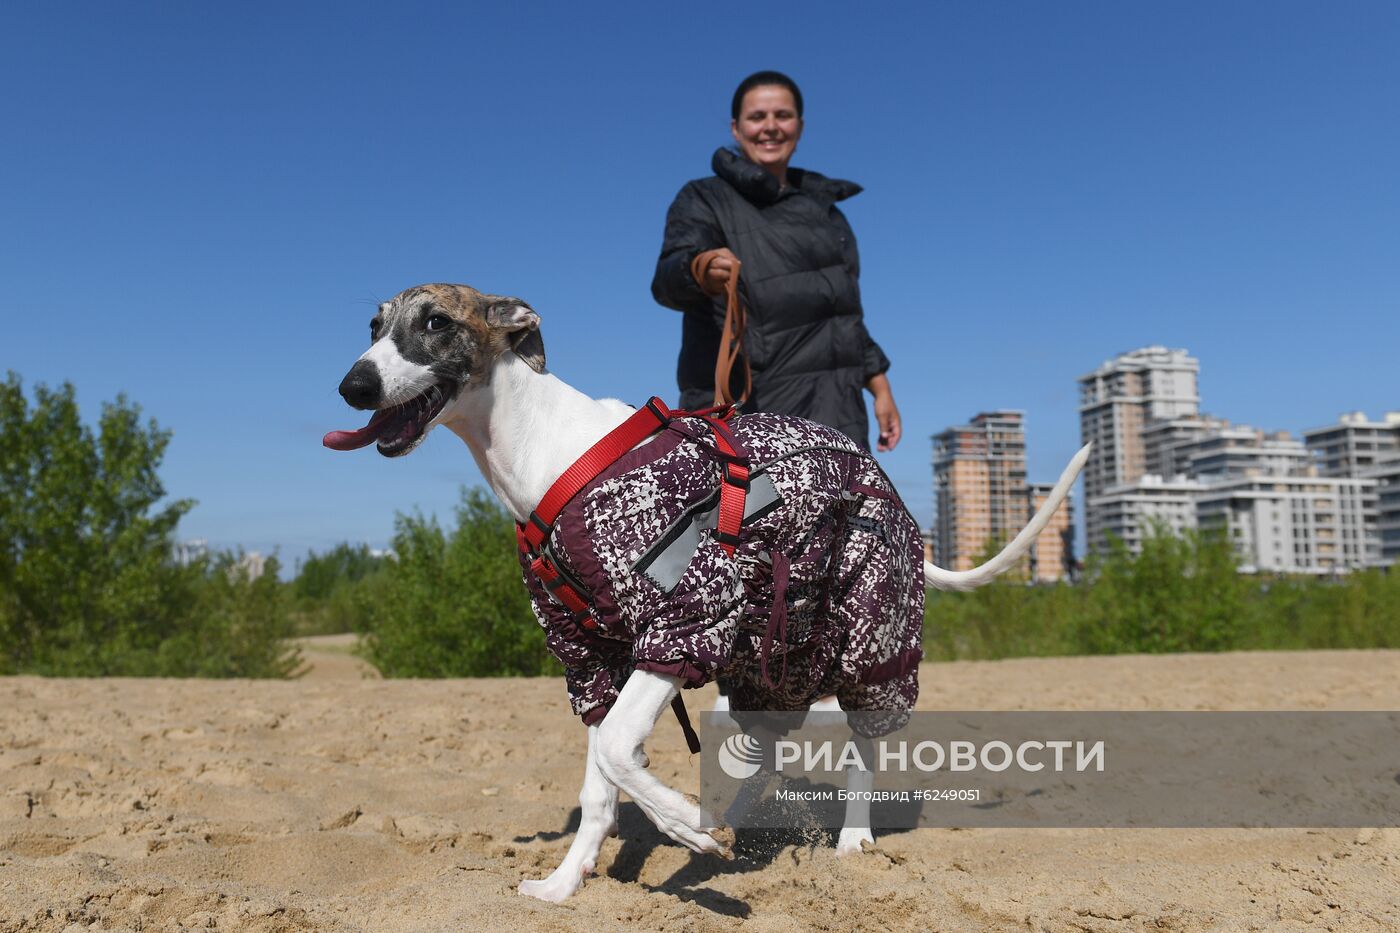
(823, 595)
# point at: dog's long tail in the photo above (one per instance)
(963, 580)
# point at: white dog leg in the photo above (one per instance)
(620, 738)
(859, 782)
(598, 799)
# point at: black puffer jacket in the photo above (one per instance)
(806, 339)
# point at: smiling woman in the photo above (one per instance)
(767, 124)
(806, 341)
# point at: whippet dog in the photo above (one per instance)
(450, 355)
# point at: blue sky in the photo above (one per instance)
(201, 204)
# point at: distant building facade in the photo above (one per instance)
(1294, 524)
(981, 495)
(1243, 451)
(1167, 442)
(1130, 510)
(1260, 489)
(1386, 475)
(252, 563)
(1052, 554)
(1117, 402)
(1354, 443)
(187, 552)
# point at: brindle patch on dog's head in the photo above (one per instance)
(457, 332)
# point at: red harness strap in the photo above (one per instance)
(646, 421)
(734, 470)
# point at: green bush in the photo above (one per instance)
(1179, 594)
(453, 605)
(1005, 619)
(88, 586)
(334, 591)
(1362, 610)
(236, 625)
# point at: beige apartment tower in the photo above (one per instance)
(979, 475)
(979, 482)
(1052, 555)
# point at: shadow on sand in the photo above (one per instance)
(754, 850)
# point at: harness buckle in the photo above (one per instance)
(664, 417)
(735, 472)
(724, 537)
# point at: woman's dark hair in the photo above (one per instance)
(761, 79)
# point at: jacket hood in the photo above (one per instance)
(754, 183)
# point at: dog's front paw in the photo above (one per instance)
(852, 841)
(555, 889)
(698, 831)
(718, 841)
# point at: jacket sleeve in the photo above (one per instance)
(691, 229)
(875, 360)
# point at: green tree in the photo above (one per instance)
(1009, 617)
(87, 583)
(1181, 593)
(454, 605)
(334, 592)
(320, 575)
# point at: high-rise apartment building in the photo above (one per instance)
(1386, 474)
(1354, 443)
(1166, 442)
(1260, 489)
(1129, 511)
(982, 496)
(1244, 451)
(1294, 524)
(979, 481)
(1117, 402)
(1052, 554)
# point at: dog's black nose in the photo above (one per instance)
(361, 386)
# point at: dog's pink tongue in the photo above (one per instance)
(354, 440)
(349, 440)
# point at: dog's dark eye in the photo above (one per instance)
(438, 322)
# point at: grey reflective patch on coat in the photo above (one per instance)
(665, 561)
(869, 526)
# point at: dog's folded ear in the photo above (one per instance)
(522, 328)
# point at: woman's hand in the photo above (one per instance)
(886, 412)
(717, 272)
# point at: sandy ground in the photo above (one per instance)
(338, 802)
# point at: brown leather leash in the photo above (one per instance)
(731, 344)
